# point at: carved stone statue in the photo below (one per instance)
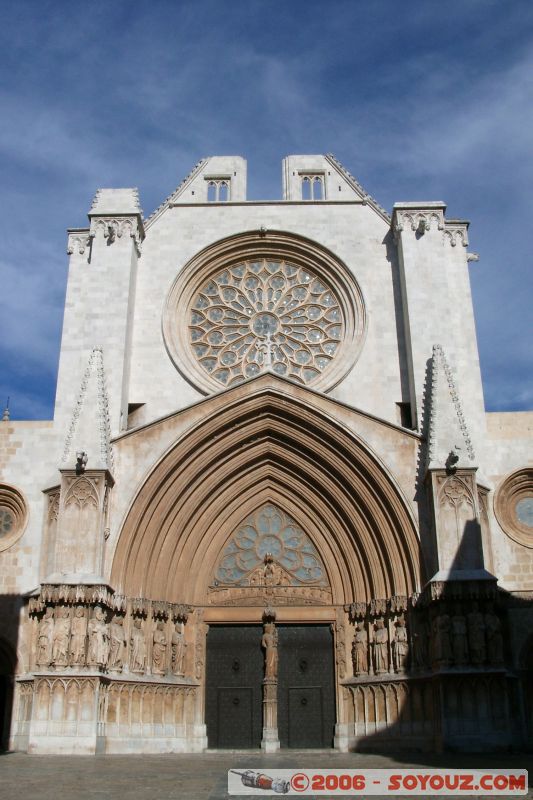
(476, 635)
(270, 644)
(441, 641)
(78, 637)
(493, 630)
(44, 638)
(178, 647)
(419, 632)
(117, 643)
(61, 637)
(98, 639)
(360, 650)
(159, 649)
(459, 638)
(381, 647)
(400, 645)
(138, 647)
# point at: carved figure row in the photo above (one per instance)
(473, 638)
(67, 638)
(372, 655)
(445, 639)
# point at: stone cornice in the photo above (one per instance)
(115, 226)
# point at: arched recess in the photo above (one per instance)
(270, 446)
(8, 663)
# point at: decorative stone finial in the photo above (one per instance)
(5, 416)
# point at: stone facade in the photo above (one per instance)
(267, 413)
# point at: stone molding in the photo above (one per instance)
(78, 242)
(95, 363)
(513, 488)
(115, 227)
(441, 369)
(456, 231)
(276, 245)
(13, 502)
(418, 221)
(254, 448)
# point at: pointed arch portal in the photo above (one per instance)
(268, 447)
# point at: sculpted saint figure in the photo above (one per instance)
(44, 638)
(459, 638)
(420, 642)
(78, 631)
(98, 639)
(159, 649)
(493, 629)
(381, 647)
(476, 635)
(400, 645)
(61, 638)
(360, 650)
(269, 642)
(442, 649)
(138, 647)
(117, 643)
(178, 647)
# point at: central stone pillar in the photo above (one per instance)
(269, 642)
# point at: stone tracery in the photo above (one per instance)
(265, 314)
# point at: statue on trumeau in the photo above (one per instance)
(269, 643)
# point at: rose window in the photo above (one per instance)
(7, 521)
(269, 534)
(259, 315)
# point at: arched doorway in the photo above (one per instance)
(7, 673)
(272, 448)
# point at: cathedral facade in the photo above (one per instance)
(270, 510)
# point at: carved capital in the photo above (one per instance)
(113, 228)
(456, 232)
(77, 242)
(418, 220)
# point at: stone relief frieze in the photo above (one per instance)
(451, 626)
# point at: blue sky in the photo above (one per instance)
(420, 101)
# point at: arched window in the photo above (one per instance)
(306, 189)
(211, 192)
(223, 192)
(317, 189)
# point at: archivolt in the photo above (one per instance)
(268, 447)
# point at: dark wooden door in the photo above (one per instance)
(234, 675)
(306, 693)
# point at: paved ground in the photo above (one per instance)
(195, 777)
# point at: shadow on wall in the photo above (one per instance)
(452, 673)
(10, 605)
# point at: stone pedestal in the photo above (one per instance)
(270, 740)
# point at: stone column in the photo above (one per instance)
(270, 740)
